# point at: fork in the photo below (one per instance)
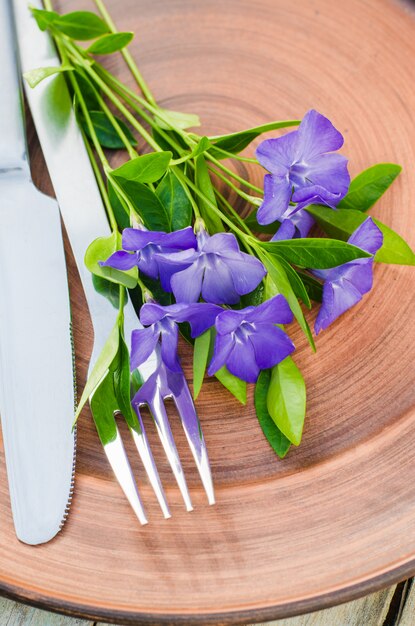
(85, 219)
(159, 385)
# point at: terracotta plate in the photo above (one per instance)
(336, 519)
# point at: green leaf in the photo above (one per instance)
(254, 298)
(44, 18)
(81, 25)
(101, 367)
(203, 145)
(200, 359)
(103, 403)
(147, 168)
(369, 186)
(34, 77)
(177, 119)
(89, 91)
(313, 286)
(277, 440)
(236, 142)
(121, 212)
(343, 223)
(106, 288)
(295, 282)
(235, 385)
(286, 399)
(173, 197)
(204, 183)
(282, 285)
(100, 250)
(122, 385)
(112, 42)
(317, 254)
(268, 229)
(106, 133)
(146, 203)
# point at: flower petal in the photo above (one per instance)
(247, 272)
(285, 231)
(200, 315)
(368, 236)
(277, 194)
(278, 154)
(152, 312)
(221, 243)
(143, 342)
(316, 135)
(271, 345)
(274, 311)
(187, 284)
(172, 263)
(120, 260)
(137, 238)
(217, 284)
(241, 361)
(169, 341)
(223, 346)
(338, 297)
(229, 320)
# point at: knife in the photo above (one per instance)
(36, 373)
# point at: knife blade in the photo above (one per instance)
(36, 365)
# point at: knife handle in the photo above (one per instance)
(13, 149)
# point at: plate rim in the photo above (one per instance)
(232, 618)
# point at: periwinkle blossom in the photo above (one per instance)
(217, 270)
(304, 169)
(140, 247)
(296, 226)
(345, 285)
(247, 340)
(161, 325)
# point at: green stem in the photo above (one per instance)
(231, 155)
(111, 96)
(233, 175)
(132, 153)
(122, 91)
(230, 184)
(232, 211)
(125, 53)
(101, 184)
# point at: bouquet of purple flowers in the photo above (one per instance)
(191, 264)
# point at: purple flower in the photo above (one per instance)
(248, 341)
(217, 270)
(142, 246)
(345, 285)
(298, 225)
(161, 322)
(303, 169)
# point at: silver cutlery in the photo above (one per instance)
(85, 219)
(36, 373)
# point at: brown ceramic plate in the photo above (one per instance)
(336, 519)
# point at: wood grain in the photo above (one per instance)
(336, 519)
(370, 611)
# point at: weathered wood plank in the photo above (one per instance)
(368, 611)
(408, 613)
(16, 614)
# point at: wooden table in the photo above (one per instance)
(394, 606)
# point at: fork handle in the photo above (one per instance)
(13, 149)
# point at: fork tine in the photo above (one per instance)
(144, 450)
(191, 425)
(158, 411)
(118, 460)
